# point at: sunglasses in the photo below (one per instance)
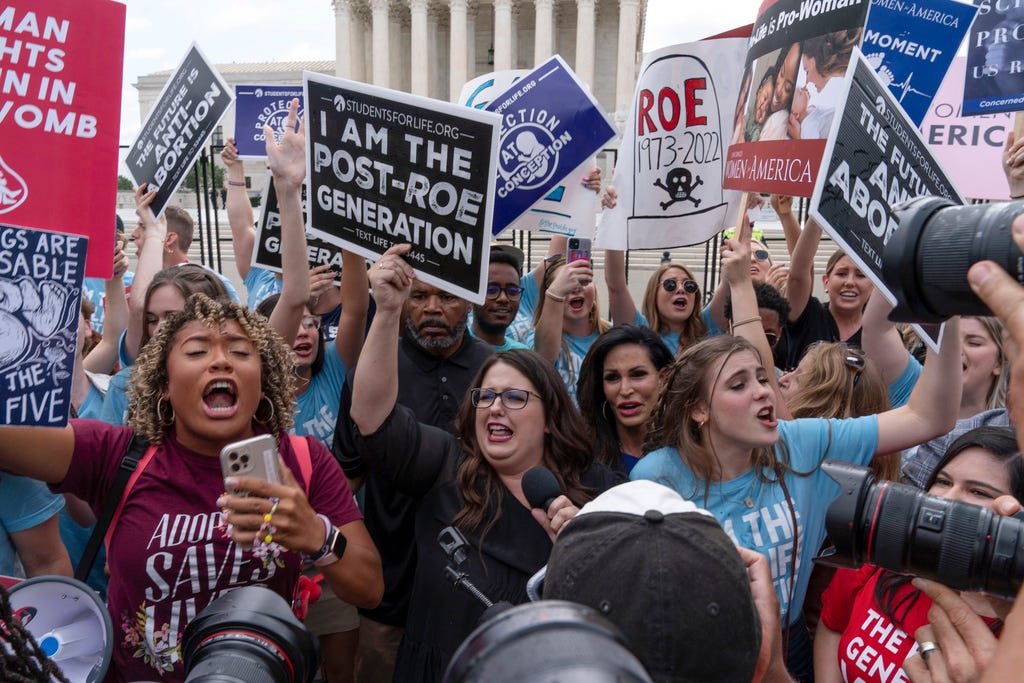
(311, 322)
(511, 291)
(689, 286)
(854, 359)
(762, 255)
(773, 338)
(512, 399)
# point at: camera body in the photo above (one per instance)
(903, 529)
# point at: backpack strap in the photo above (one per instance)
(301, 448)
(146, 457)
(137, 451)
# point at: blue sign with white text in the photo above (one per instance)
(550, 124)
(256, 105)
(911, 45)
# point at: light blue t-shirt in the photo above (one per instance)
(756, 515)
(316, 409)
(259, 284)
(669, 339)
(709, 322)
(27, 503)
(115, 403)
(523, 322)
(509, 342)
(568, 366)
(902, 386)
(94, 289)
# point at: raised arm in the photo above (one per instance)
(239, 208)
(881, 340)
(150, 262)
(621, 307)
(375, 385)
(783, 207)
(547, 339)
(355, 303)
(800, 282)
(932, 408)
(287, 162)
(103, 356)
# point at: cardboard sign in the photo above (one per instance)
(40, 298)
(995, 59)
(259, 105)
(550, 124)
(911, 46)
(189, 108)
(672, 157)
(386, 168)
(970, 147)
(60, 118)
(267, 251)
(875, 159)
(789, 97)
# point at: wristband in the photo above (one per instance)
(333, 548)
(744, 322)
(236, 183)
(554, 297)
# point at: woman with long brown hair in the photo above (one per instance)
(517, 416)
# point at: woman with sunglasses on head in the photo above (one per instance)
(517, 417)
(870, 615)
(715, 437)
(620, 382)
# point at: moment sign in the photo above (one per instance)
(387, 168)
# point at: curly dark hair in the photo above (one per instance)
(149, 379)
(568, 447)
(590, 387)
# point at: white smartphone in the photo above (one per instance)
(255, 457)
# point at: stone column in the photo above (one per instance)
(456, 47)
(543, 34)
(342, 40)
(503, 36)
(358, 40)
(471, 13)
(625, 73)
(419, 68)
(585, 41)
(514, 32)
(381, 43)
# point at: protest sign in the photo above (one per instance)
(60, 118)
(994, 80)
(798, 55)
(40, 298)
(671, 161)
(874, 160)
(911, 46)
(550, 124)
(568, 207)
(969, 146)
(267, 251)
(188, 109)
(259, 105)
(386, 168)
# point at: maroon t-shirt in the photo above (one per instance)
(168, 559)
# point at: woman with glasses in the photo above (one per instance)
(518, 416)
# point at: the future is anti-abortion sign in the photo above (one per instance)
(60, 117)
(188, 109)
(387, 168)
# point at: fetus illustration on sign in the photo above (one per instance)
(13, 191)
(31, 311)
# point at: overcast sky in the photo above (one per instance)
(159, 31)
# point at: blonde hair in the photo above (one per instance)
(694, 328)
(150, 379)
(996, 397)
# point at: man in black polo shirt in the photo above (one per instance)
(437, 360)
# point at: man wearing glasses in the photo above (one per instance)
(504, 292)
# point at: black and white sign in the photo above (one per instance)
(386, 168)
(187, 111)
(267, 253)
(875, 159)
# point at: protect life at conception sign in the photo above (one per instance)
(387, 168)
(995, 59)
(40, 297)
(259, 105)
(875, 159)
(787, 101)
(188, 109)
(60, 115)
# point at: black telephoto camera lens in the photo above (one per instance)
(905, 530)
(249, 636)
(926, 260)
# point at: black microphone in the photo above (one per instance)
(540, 487)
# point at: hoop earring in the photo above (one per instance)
(604, 414)
(270, 417)
(168, 421)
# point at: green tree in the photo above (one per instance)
(125, 183)
(190, 179)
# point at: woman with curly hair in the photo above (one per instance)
(517, 417)
(212, 375)
(620, 383)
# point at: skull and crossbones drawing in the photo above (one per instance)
(680, 184)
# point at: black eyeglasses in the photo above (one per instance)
(513, 399)
(762, 254)
(773, 338)
(689, 286)
(511, 291)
